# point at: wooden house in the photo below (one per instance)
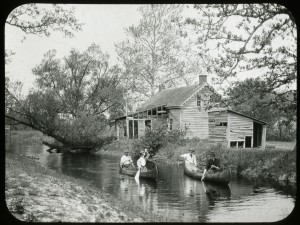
(196, 109)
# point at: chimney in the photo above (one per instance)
(202, 79)
(161, 87)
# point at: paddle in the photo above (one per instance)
(137, 176)
(205, 174)
(203, 187)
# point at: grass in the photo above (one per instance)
(270, 163)
(281, 145)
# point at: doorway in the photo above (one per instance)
(257, 134)
(248, 141)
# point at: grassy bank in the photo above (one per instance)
(34, 193)
(275, 164)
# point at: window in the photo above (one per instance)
(148, 124)
(154, 112)
(221, 124)
(198, 100)
(171, 124)
(233, 144)
(240, 144)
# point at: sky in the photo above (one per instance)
(103, 25)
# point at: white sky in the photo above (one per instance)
(103, 25)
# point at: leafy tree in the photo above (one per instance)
(153, 53)
(38, 19)
(279, 111)
(72, 98)
(260, 38)
(41, 19)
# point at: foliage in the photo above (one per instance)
(154, 54)
(71, 97)
(252, 39)
(41, 19)
(249, 37)
(160, 136)
(279, 111)
(153, 139)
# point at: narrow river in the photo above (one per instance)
(174, 195)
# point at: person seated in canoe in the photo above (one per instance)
(212, 164)
(126, 161)
(148, 157)
(146, 154)
(141, 162)
(190, 157)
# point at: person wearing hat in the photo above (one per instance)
(126, 160)
(147, 154)
(141, 162)
(212, 164)
(190, 157)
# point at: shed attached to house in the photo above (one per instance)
(236, 129)
(195, 109)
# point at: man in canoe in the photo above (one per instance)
(212, 164)
(190, 157)
(126, 161)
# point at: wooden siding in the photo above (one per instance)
(239, 127)
(192, 101)
(217, 133)
(197, 122)
(175, 115)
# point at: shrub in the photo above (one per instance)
(159, 137)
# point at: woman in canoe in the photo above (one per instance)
(141, 162)
(212, 164)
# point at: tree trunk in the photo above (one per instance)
(64, 148)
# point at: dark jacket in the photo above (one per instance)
(211, 162)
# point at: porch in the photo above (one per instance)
(134, 125)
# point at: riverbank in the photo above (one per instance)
(34, 193)
(272, 164)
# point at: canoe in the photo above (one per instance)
(150, 174)
(218, 177)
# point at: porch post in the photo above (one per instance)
(132, 128)
(263, 138)
(118, 131)
(127, 127)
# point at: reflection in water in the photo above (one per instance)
(215, 192)
(174, 195)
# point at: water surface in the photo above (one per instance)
(173, 195)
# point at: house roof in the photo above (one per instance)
(172, 97)
(229, 110)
